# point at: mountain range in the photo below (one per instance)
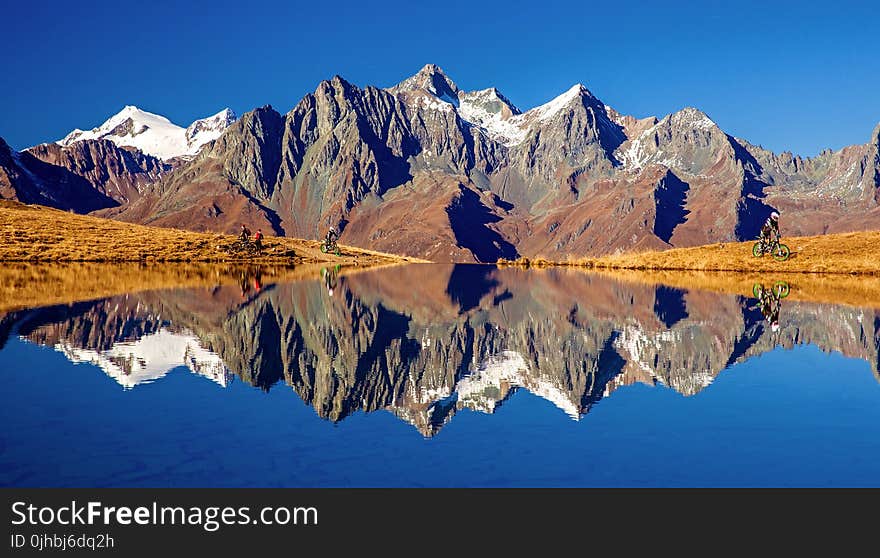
(424, 168)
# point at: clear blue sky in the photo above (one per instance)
(799, 76)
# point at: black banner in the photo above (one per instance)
(128, 522)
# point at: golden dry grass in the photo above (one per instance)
(31, 233)
(852, 253)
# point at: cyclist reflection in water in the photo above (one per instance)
(258, 281)
(244, 283)
(248, 279)
(769, 301)
(329, 276)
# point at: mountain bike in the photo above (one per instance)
(330, 247)
(245, 246)
(779, 251)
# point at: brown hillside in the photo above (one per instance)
(35, 233)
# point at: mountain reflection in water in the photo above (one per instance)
(425, 341)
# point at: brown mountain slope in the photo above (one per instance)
(27, 179)
(41, 234)
(118, 173)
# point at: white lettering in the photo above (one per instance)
(19, 513)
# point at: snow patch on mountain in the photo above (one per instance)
(154, 134)
(491, 112)
(631, 156)
(639, 152)
(638, 345)
(436, 103)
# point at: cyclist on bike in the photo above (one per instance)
(245, 234)
(332, 235)
(258, 240)
(770, 229)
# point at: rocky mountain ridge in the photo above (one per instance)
(427, 169)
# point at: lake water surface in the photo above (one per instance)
(432, 375)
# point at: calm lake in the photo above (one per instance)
(433, 375)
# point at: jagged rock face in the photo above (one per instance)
(337, 153)
(341, 145)
(26, 178)
(12, 183)
(430, 79)
(251, 152)
(433, 171)
(837, 191)
(118, 173)
(563, 143)
(426, 341)
(484, 180)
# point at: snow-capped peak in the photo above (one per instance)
(154, 134)
(548, 110)
(487, 110)
(515, 128)
(207, 129)
(692, 118)
(430, 79)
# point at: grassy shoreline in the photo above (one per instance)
(843, 253)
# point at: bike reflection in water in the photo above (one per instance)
(769, 301)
